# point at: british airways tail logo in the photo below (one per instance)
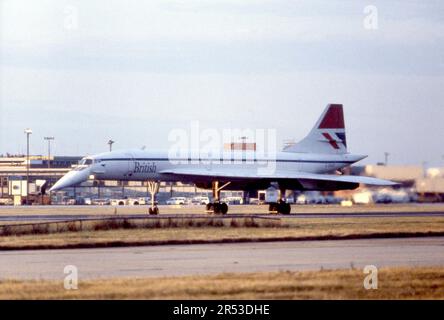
(341, 136)
(334, 142)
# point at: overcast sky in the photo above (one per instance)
(87, 71)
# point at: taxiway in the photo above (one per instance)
(171, 260)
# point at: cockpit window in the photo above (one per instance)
(86, 162)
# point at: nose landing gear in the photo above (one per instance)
(153, 210)
(153, 189)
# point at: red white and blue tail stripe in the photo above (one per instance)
(327, 136)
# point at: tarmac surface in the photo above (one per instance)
(174, 260)
(332, 215)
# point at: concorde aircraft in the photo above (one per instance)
(314, 163)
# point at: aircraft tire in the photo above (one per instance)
(209, 207)
(154, 210)
(223, 208)
(273, 207)
(216, 208)
(284, 208)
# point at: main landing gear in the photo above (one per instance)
(217, 207)
(281, 206)
(153, 189)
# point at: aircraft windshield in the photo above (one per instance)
(86, 162)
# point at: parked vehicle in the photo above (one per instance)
(383, 198)
(138, 201)
(101, 202)
(301, 199)
(392, 196)
(6, 201)
(253, 201)
(233, 200)
(200, 200)
(119, 202)
(130, 201)
(177, 201)
(346, 203)
(364, 197)
(290, 199)
(70, 202)
(332, 200)
(310, 198)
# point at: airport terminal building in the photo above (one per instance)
(41, 171)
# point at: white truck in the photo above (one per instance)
(177, 201)
(129, 201)
(6, 201)
(200, 200)
(233, 200)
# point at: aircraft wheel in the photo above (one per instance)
(216, 208)
(284, 208)
(273, 207)
(209, 207)
(153, 210)
(223, 208)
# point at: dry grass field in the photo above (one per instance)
(393, 283)
(188, 231)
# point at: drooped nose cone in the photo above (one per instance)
(70, 179)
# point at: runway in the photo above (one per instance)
(217, 258)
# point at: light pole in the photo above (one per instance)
(110, 142)
(386, 155)
(49, 139)
(424, 169)
(28, 132)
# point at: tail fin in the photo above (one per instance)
(327, 136)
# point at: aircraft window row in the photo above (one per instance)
(222, 159)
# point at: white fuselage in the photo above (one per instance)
(140, 165)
